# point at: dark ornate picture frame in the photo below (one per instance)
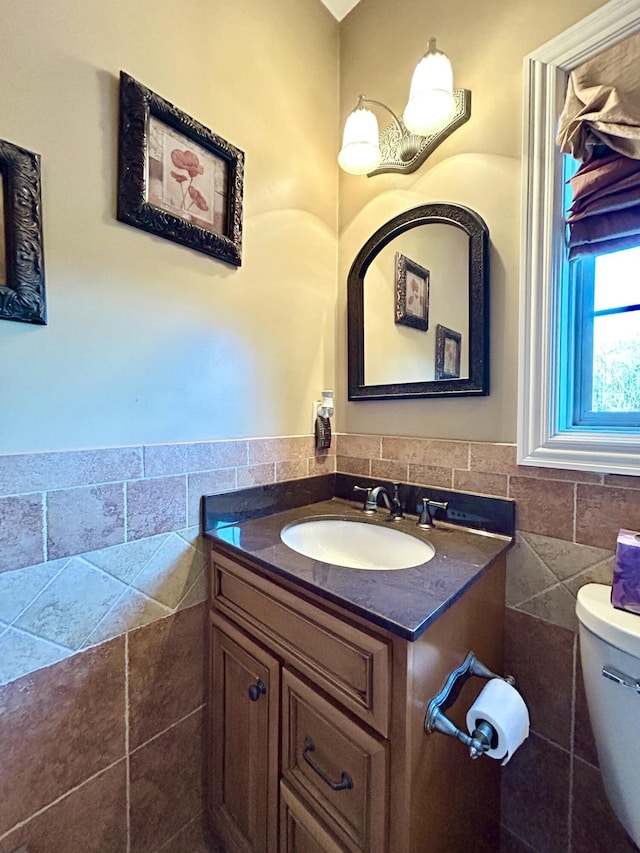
(139, 107)
(412, 293)
(448, 348)
(22, 293)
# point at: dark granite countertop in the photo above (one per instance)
(405, 601)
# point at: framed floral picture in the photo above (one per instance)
(176, 178)
(22, 294)
(448, 346)
(412, 293)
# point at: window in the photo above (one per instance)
(601, 377)
(577, 379)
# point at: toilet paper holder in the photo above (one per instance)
(484, 736)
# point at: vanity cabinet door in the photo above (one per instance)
(244, 701)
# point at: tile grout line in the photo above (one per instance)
(127, 740)
(169, 727)
(59, 799)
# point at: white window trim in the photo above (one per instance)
(542, 252)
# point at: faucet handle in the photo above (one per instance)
(426, 518)
(395, 513)
(369, 507)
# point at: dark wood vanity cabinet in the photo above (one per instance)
(317, 741)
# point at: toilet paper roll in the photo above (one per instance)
(501, 705)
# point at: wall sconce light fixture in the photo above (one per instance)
(434, 110)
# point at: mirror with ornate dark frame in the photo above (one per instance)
(418, 307)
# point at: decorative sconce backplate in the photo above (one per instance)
(391, 141)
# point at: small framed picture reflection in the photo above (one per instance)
(412, 293)
(448, 345)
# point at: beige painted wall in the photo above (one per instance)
(149, 341)
(479, 166)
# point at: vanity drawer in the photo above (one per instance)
(335, 766)
(348, 663)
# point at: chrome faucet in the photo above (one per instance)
(371, 501)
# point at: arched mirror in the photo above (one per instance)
(418, 307)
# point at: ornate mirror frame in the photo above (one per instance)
(477, 383)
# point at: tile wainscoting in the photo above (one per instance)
(95, 542)
(101, 547)
(101, 639)
(568, 521)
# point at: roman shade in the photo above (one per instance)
(600, 127)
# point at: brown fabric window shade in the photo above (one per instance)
(600, 126)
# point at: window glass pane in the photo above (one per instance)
(617, 279)
(616, 363)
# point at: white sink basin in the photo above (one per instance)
(356, 544)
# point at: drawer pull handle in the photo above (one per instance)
(345, 782)
(256, 690)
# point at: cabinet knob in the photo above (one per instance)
(256, 690)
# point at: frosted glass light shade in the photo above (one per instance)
(360, 152)
(431, 104)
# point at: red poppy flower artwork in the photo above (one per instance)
(190, 163)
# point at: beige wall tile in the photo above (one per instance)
(543, 506)
(166, 673)
(430, 475)
(39, 472)
(171, 572)
(85, 518)
(166, 784)
(207, 483)
(481, 483)
(361, 446)
(602, 511)
(156, 506)
(72, 605)
(493, 458)
(21, 532)
(383, 469)
(59, 727)
(256, 475)
(22, 653)
(321, 464)
(426, 451)
(293, 469)
(349, 465)
(163, 459)
(280, 449)
(90, 819)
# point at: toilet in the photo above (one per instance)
(610, 639)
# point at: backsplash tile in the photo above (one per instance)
(85, 518)
(21, 531)
(156, 506)
(544, 506)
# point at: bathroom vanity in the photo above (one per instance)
(320, 677)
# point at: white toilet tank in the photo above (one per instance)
(611, 638)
